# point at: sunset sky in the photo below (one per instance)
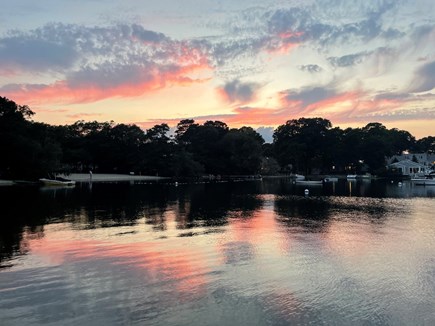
(256, 63)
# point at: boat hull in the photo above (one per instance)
(331, 179)
(309, 182)
(423, 182)
(52, 182)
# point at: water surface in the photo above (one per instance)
(248, 253)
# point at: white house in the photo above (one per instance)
(425, 159)
(408, 167)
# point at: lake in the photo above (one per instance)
(227, 253)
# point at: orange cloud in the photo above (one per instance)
(345, 107)
(171, 63)
(64, 91)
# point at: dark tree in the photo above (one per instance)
(29, 149)
(202, 141)
(426, 144)
(242, 151)
(301, 143)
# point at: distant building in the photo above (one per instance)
(409, 168)
(425, 159)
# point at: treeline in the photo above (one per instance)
(307, 145)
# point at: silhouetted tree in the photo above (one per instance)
(241, 150)
(426, 144)
(301, 143)
(29, 150)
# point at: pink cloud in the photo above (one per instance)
(284, 42)
(166, 63)
(344, 107)
(82, 91)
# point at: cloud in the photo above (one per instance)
(145, 35)
(393, 96)
(238, 92)
(322, 26)
(34, 54)
(71, 63)
(60, 46)
(329, 103)
(90, 86)
(302, 99)
(97, 63)
(424, 79)
(311, 68)
(348, 60)
(327, 22)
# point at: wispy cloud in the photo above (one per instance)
(330, 103)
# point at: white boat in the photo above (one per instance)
(423, 181)
(364, 176)
(309, 182)
(57, 182)
(351, 176)
(297, 176)
(330, 179)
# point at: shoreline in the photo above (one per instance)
(111, 177)
(107, 177)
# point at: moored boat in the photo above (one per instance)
(423, 181)
(309, 182)
(57, 182)
(297, 176)
(330, 179)
(364, 176)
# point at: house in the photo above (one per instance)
(409, 168)
(425, 159)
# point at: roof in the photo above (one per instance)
(407, 163)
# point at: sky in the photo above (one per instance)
(254, 63)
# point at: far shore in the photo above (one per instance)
(97, 177)
(6, 183)
(106, 177)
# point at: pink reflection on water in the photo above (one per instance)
(186, 267)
